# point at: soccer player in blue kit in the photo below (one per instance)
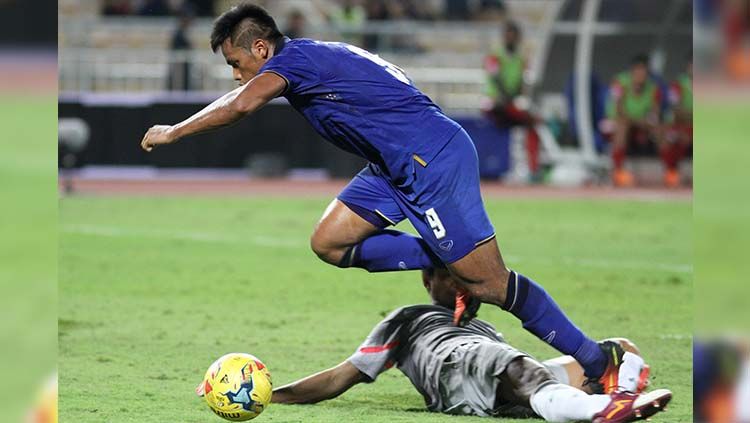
(422, 167)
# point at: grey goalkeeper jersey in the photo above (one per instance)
(419, 339)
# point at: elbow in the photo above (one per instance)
(244, 107)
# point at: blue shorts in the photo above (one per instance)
(443, 202)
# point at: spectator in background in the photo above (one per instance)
(457, 10)
(505, 88)
(203, 7)
(406, 9)
(117, 8)
(424, 9)
(736, 27)
(634, 110)
(679, 134)
(491, 10)
(155, 8)
(375, 11)
(349, 17)
(402, 13)
(295, 24)
(179, 78)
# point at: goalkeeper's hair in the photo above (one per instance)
(243, 24)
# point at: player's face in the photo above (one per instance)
(441, 286)
(245, 63)
(639, 74)
(511, 38)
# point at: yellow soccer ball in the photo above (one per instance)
(237, 387)
(45, 409)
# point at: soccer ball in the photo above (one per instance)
(237, 387)
(45, 409)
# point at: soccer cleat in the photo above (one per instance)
(672, 178)
(623, 178)
(643, 380)
(466, 308)
(608, 382)
(629, 407)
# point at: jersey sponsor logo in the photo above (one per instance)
(446, 245)
(437, 226)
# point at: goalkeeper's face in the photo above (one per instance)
(441, 286)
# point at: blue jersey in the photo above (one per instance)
(362, 104)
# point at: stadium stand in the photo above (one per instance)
(441, 44)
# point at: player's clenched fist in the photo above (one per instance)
(158, 135)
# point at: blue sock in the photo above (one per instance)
(542, 316)
(390, 250)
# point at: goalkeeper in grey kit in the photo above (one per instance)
(472, 370)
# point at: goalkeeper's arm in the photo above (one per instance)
(322, 386)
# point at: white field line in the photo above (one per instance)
(272, 241)
(676, 337)
(119, 232)
(605, 263)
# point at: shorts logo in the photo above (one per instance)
(437, 226)
(550, 337)
(446, 245)
(402, 265)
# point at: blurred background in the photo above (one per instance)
(721, 350)
(28, 216)
(510, 71)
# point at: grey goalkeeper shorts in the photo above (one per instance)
(469, 380)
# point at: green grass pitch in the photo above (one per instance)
(152, 290)
(28, 249)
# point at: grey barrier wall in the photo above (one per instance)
(276, 132)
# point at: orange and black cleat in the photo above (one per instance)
(466, 308)
(630, 407)
(608, 382)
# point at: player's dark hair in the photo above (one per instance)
(640, 59)
(244, 24)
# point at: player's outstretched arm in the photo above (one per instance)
(225, 111)
(322, 386)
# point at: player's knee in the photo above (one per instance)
(325, 249)
(487, 291)
(319, 246)
(491, 289)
